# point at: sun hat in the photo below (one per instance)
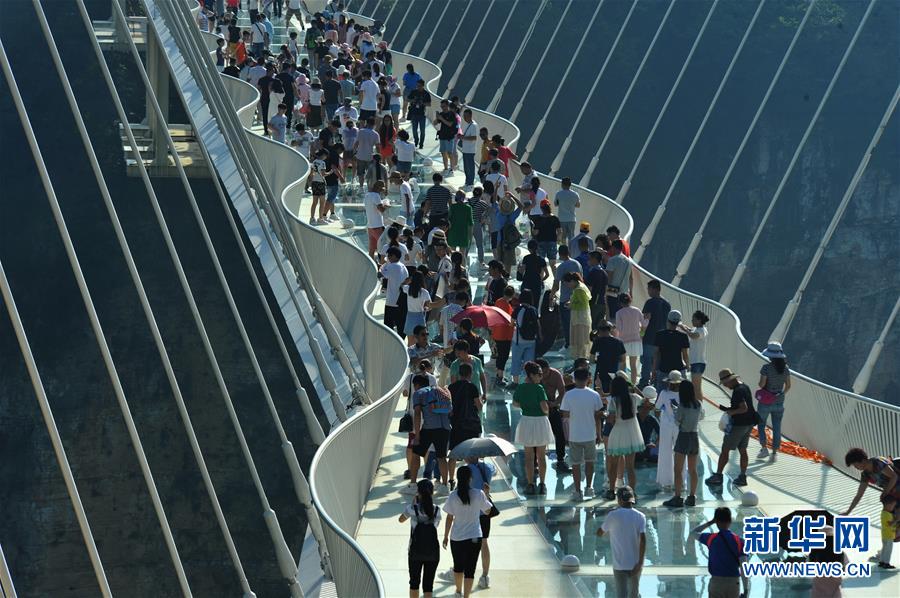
(674, 377)
(401, 220)
(341, 70)
(625, 494)
(774, 351)
(585, 226)
(674, 316)
(726, 375)
(507, 206)
(649, 392)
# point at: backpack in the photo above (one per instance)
(439, 401)
(530, 329)
(423, 541)
(511, 236)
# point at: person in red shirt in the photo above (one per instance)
(503, 152)
(613, 233)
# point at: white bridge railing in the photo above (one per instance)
(818, 416)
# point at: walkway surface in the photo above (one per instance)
(533, 533)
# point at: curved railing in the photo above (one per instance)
(819, 416)
(346, 279)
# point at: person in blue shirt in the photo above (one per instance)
(726, 553)
(410, 78)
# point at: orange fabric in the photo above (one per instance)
(503, 332)
(792, 448)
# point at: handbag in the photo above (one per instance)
(765, 397)
(406, 423)
(494, 510)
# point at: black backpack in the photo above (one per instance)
(423, 544)
(530, 329)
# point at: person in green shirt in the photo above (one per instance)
(478, 377)
(534, 431)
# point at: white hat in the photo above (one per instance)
(774, 351)
(401, 220)
(674, 377)
(341, 70)
(649, 392)
(674, 316)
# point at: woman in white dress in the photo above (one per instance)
(666, 405)
(625, 439)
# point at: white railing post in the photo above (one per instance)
(586, 179)
(790, 311)
(730, 290)
(532, 142)
(462, 63)
(662, 111)
(400, 26)
(6, 582)
(540, 64)
(685, 264)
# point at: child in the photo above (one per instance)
(292, 45)
(304, 138)
(317, 170)
(278, 124)
(890, 530)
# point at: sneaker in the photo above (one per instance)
(323, 221)
(542, 488)
(562, 467)
(452, 484)
(484, 582)
(714, 480)
(442, 490)
(499, 382)
(410, 488)
(406, 475)
(457, 595)
(609, 495)
(589, 493)
(577, 496)
(313, 221)
(690, 501)
(763, 453)
(886, 566)
(529, 489)
(675, 502)
(447, 575)
(741, 480)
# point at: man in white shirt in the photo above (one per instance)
(345, 113)
(581, 406)
(626, 528)
(469, 147)
(257, 72)
(407, 201)
(375, 209)
(498, 179)
(395, 274)
(368, 97)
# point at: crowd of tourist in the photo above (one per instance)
(631, 376)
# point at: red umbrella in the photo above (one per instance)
(483, 316)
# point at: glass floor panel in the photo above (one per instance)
(690, 586)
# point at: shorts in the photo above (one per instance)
(366, 114)
(318, 188)
(738, 438)
(459, 434)
(362, 166)
(634, 349)
(404, 166)
(374, 234)
(547, 249)
(332, 193)
(395, 110)
(439, 437)
(698, 368)
(485, 522)
(581, 452)
(448, 146)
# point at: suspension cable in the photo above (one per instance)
(790, 310)
(662, 111)
(462, 20)
(474, 87)
(529, 147)
(557, 162)
(865, 373)
(685, 264)
(492, 107)
(95, 323)
(452, 83)
(586, 179)
(415, 34)
(728, 294)
(440, 19)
